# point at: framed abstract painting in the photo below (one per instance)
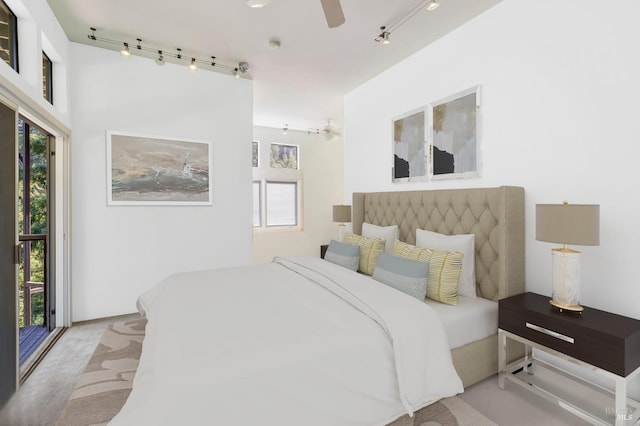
(410, 149)
(147, 170)
(455, 134)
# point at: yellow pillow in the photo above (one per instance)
(444, 270)
(370, 249)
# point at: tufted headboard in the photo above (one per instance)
(494, 215)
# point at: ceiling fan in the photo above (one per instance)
(328, 131)
(332, 10)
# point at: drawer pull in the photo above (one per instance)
(550, 333)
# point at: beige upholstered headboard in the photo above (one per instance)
(494, 215)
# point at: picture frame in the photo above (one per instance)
(152, 171)
(455, 135)
(410, 147)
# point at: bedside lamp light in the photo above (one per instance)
(575, 224)
(341, 214)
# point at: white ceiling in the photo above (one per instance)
(302, 83)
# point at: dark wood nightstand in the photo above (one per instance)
(602, 342)
(323, 250)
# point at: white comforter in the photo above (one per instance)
(297, 342)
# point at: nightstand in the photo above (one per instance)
(600, 342)
(323, 250)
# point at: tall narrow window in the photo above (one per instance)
(8, 36)
(47, 78)
(257, 203)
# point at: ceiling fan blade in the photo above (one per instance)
(333, 12)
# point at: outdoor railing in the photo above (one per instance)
(31, 287)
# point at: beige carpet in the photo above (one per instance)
(106, 383)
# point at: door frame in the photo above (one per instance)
(16, 99)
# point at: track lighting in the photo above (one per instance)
(257, 3)
(162, 54)
(433, 5)
(383, 37)
(160, 58)
(125, 51)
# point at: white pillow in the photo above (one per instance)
(388, 233)
(465, 244)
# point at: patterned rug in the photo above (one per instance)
(106, 383)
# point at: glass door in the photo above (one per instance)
(36, 315)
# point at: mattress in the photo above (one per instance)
(473, 319)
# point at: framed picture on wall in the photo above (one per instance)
(410, 149)
(455, 135)
(147, 170)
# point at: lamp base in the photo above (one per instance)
(565, 307)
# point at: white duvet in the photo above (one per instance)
(297, 342)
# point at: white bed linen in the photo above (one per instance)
(473, 319)
(269, 345)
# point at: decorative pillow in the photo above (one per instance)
(370, 249)
(408, 276)
(463, 243)
(346, 255)
(444, 270)
(388, 233)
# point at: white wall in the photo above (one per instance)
(119, 252)
(322, 167)
(560, 112)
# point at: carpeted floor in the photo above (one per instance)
(106, 383)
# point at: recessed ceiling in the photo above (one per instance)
(303, 82)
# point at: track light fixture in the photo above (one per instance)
(383, 37)
(162, 54)
(125, 52)
(160, 59)
(257, 3)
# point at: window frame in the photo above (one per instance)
(13, 37)
(296, 203)
(265, 173)
(47, 78)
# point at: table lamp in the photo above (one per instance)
(575, 224)
(341, 214)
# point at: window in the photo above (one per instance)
(282, 203)
(8, 36)
(283, 156)
(47, 78)
(255, 160)
(277, 187)
(257, 203)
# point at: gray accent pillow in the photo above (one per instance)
(342, 254)
(406, 275)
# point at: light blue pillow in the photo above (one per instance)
(407, 275)
(342, 254)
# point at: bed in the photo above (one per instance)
(496, 218)
(304, 341)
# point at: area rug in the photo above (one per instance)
(106, 382)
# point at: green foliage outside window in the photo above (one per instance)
(284, 156)
(37, 220)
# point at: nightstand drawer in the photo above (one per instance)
(603, 339)
(585, 345)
